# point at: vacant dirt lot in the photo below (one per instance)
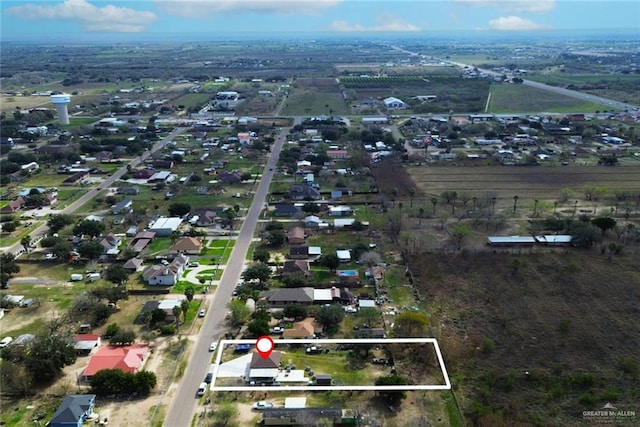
(540, 339)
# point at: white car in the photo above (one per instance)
(263, 404)
(202, 313)
(213, 346)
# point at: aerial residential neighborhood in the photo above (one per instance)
(426, 234)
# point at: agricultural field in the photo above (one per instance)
(506, 98)
(192, 100)
(624, 88)
(310, 102)
(535, 182)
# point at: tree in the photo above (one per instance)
(62, 249)
(261, 255)
(604, 223)
(112, 294)
(410, 325)
(330, 261)
(8, 267)
(412, 194)
(179, 209)
(458, 233)
(393, 397)
(434, 202)
(26, 243)
(257, 271)
(515, 203)
(89, 227)
(258, 327)
(123, 337)
(184, 306)
(91, 250)
(9, 227)
(294, 280)
(368, 315)
(276, 238)
(330, 317)
(115, 381)
(238, 313)
(295, 311)
(101, 313)
(47, 355)
(113, 329)
(189, 292)
(176, 314)
(420, 215)
(116, 273)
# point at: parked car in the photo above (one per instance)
(277, 330)
(202, 313)
(208, 378)
(263, 404)
(202, 389)
(194, 264)
(213, 346)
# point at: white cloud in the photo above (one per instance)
(515, 23)
(526, 6)
(206, 8)
(386, 23)
(107, 18)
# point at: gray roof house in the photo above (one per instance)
(303, 191)
(282, 297)
(74, 410)
(286, 210)
(122, 206)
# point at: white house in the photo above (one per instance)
(394, 103)
(344, 255)
(164, 226)
(166, 275)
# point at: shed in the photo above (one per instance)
(323, 379)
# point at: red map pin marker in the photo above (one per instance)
(264, 345)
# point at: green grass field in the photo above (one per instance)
(507, 98)
(302, 102)
(192, 100)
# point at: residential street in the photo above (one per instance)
(183, 405)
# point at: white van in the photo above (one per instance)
(202, 389)
(5, 342)
(92, 277)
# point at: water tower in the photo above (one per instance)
(61, 102)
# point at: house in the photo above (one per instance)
(129, 191)
(296, 266)
(131, 231)
(344, 255)
(110, 243)
(124, 205)
(13, 206)
(340, 211)
(474, 118)
(286, 210)
(302, 416)
(263, 370)
(230, 178)
(303, 192)
(164, 226)
(366, 303)
(284, 296)
(144, 235)
(86, 343)
(144, 173)
(338, 154)
(312, 221)
(306, 328)
(74, 410)
(166, 305)
(159, 177)
(379, 120)
(133, 264)
(203, 217)
(76, 178)
(128, 358)
(187, 245)
(165, 275)
(103, 156)
(394, 103)
(299, 252)
(295, 236)
(343, 222)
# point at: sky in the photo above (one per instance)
(40, 19)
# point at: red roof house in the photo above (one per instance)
(128, 358)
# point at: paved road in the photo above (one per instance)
(93, 192)
(182, 408)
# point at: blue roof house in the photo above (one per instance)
(74, 410)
